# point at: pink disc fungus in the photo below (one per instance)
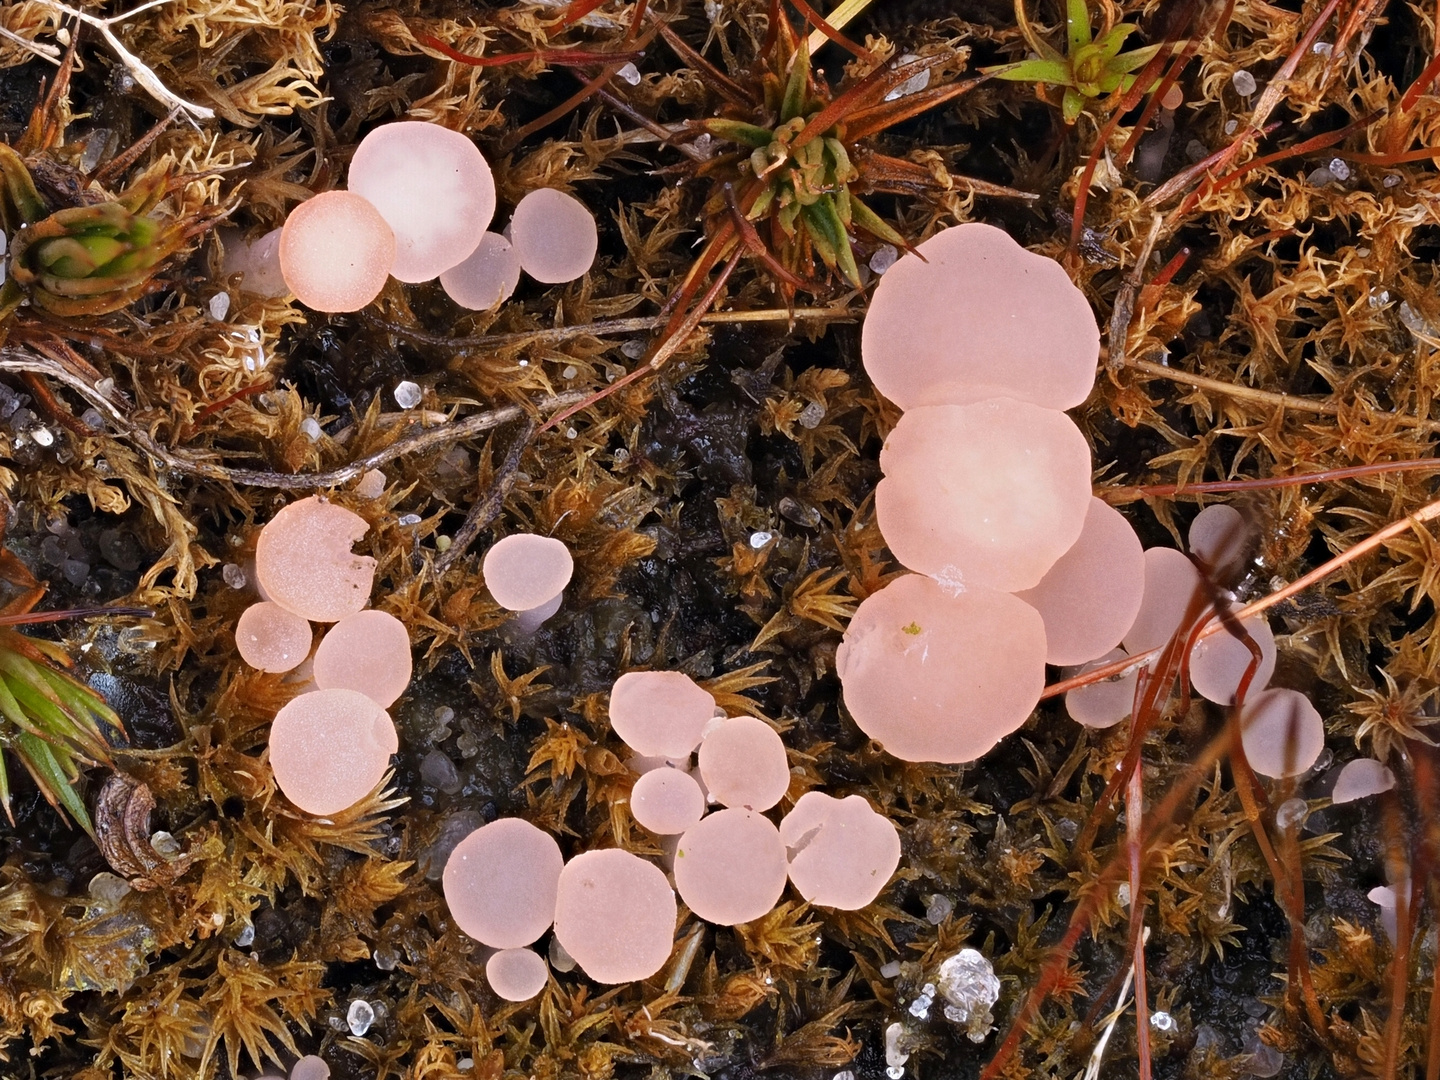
(1281, 732)
(487, 277)
(1360, 779)
(304, 562)
(935, 675)
(271, 638)
(517, 974)
(525, 570)
(743, 763)
(329, 748)
(667, 801)
(1219, 662)
(1170, 583)
(501, 881)
(841, 852)
(1103, 704)
(336, 252)
(310, 1067)
(987, 494)
(615, 915)
(258, 263)
(1219, 537)
(660, 713)
(432, 186)
(369, 652)
(554, 236)
(731, 868)
(979, 317)
(1090, 597)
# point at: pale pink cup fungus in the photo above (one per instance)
(527, 573)
(1220, 538)
(731, 868)
(1281, 732)
(1170, 584)
(304, 563)
(329, 749)
(935, 675)
(271, 638)
(501, 882)
(988, 494)
(310, 1067)
(841, 852)
(979, 317)
(1219, 662)
(660, 713)
(742, 761)
(517, 974)
(369, 652)
(667, 801)
(1103, 704)
(432, 186)
(336, 251)
(1360, 779)
(615, 915)
(487, 277)
(554, 236)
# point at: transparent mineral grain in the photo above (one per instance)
(968, 983)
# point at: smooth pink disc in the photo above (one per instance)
(304, 562)
(1282, 733)
(271, 638)
(1103, 704)
(841, 852)
(1219, 662)
(1360, 779)
(979, 317)
(743, 763)
(989, 494)
(1090, 597)
(934, 675)
(667, 801)
(525, 570)
(1220, 536)
(501, 882)
(660, 713)
(432, 186)
(487, 277)
(615, 915)
(517, 974)
(369, 652)
(731, 867)
(329, 749)
(554, 236)
(1171, 581)
(336, 252)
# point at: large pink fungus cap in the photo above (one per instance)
(1090, 597)
(336, 252)
(487, 277)
(554, 236)
(841, 851)
(517, 974)
(369, 652)
(989, 494)
(935, 675)
(1103, 704)
(527, 570)
(271, 638)
(434, 188)
(667, 801)
(731, 867)
(500, 883)
(660, 713)
(1219, 662)
(1360, 779)
(1170, 583)
(329, 749)
(615, 915)
(304, 562)
(979, 317)
(743, 763)
(1281, 732)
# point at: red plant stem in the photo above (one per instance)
(1421, 84)
(1152, 288)
(1134, 816)
(229, 399)
(1210, 487)
(1402, 874)
(830, 32)
(575, 11)
(34, 618)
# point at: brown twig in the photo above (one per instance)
(488, 506)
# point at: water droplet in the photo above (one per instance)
(407, 394)
(629, 73)
(1291, 813)
(1162, 1021)
(246, 937)
(408, 519)
(359, 1017)
(759, 539)
(220, 306)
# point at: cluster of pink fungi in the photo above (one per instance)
(613, 912)
(418, 204)
(986, 496)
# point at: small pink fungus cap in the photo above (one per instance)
(1170, 583)
(1219, 662)
(271, 638)
(1360, 779)
(841, 852)
(935, 675)
(731, 867)
(742, 761)
(660, 713)
(1281, 732)
(487, 277)
(369, 652)
(500, 883)
(979, 317)
(310, 1067)
(1103, 704)
(1220, 536)
(667, 801)
(336, 252)
(304, 563)
(329, 749)
(432, 186)
(989, 494)
(517, 974)
(554, 236)
(525, 570)
(615, 915)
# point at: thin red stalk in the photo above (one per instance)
(1185, 177)
(1134, 816)
(1417, 88)
(877, 84)
(709, 74)
(830, 32)
(519, 135)
(1402, 158)
(1401, 873)
(1210, 487)
(34, 618)
(228, 399)
(1159, 281)
(866, 122)
(637, 19)
(756, 246)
